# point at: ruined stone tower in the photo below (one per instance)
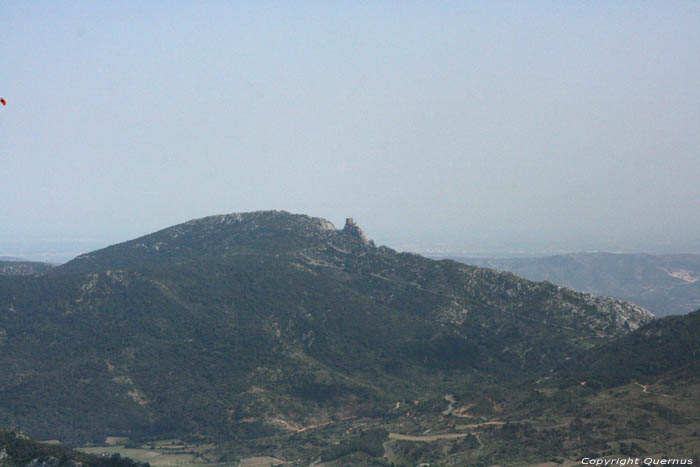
(352, 228)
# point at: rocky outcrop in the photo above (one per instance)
(23, 268)
(352, 228)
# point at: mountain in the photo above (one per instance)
(663, 284)
(663, 348)
(636, 396)
(269, 331)
(23, 268)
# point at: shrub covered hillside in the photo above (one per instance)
(244, 325)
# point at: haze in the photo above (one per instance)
(472, 126)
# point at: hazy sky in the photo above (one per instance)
(464, 125)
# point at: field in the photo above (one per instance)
(548, 426)
(162, 453)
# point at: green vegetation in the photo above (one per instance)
(270, 334)
(664, 346)
(368, 442)
(663, 284)
(20, 451)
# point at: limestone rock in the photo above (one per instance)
(352, 228)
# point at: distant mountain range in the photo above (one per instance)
(663, 284)
(275, 334)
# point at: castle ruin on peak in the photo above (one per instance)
(351, 227)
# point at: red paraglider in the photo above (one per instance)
(3, 101)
